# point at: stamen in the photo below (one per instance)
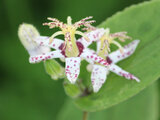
(84, 22)
(83, 35)
(68, 38)
(89, 28)
(55, 23)
(107, 44)
(87, 18)
(121, 36)
(54, 35)
(104, 48)
(119, 45)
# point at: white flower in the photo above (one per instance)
(71, 50)
(99, 72)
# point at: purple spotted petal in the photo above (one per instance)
(46, 56)
(93, 36)
(72, 68)
(98, 76)
(127, 51)
(87, 54)
(44, 41)
(119, 71)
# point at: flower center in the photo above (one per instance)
(104, 47)
(108, 60)
(79, 45)
(69, 30)
(108, 39)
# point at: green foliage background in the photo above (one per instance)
(27, 92)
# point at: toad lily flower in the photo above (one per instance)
(99, 72)
(70, 49)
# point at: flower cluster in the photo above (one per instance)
(73, 50)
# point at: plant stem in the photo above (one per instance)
(85, 115)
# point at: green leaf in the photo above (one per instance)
(141, 22)
(143, 106)
(159, 97)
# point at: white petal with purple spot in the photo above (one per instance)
(89, 60)
(87, 54)
(119, 71)
(44, 41)
(93, 36)
(98, 76)
(127, 51)
(72, 68)
(46, 56)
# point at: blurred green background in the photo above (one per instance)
(26, 91)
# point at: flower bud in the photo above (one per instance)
(54, 69)
(28, 34)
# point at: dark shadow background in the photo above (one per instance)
(26, 91)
